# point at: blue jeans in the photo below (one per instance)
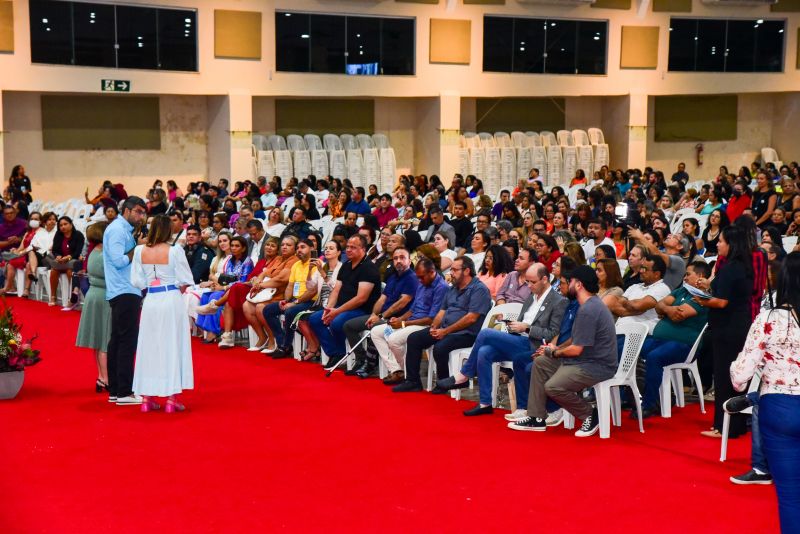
(492, 346)
(757, 458)
(657, 354)
(779, 421)
(272, 314)
(331, 337)
(523, 366)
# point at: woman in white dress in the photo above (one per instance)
(164, 351)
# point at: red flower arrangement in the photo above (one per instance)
(15, 353)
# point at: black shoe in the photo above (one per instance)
(737, 404)
(282, 353)
(590, 426)
(367, 370)
(529, 424)
(646, 412)
(751, 477)
(407, 387)
(359, 363)
(479, 410)
(450, 383)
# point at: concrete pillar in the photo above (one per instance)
(230, 125)
(449, 131)
(637, 131)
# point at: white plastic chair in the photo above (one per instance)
(755, 383)
(564, 138)
(607, 394)
(459, 356)
(596, 136)
(672, 378)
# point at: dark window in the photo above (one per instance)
(177, 39)
(292, 35)
(51, 32)
(711, 45)
(102, 35)
(93, 30)
(498, 43)
(528, 46)
(137, 36)
(397, 46)
(338, 44)
(544, 46)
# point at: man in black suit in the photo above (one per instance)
(539, 321)
(198, 255)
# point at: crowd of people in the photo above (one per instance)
(390, 277)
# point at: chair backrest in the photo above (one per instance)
(693, 353)
(635, 334)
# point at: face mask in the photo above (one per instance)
(34, 223)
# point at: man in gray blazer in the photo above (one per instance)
(538, 322)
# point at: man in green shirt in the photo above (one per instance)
(681, 322)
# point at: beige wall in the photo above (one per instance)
(61, 174)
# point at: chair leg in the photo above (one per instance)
(726, 423)
(602, 393)
(666, 393)
(699, 385)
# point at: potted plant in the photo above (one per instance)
(15, 355)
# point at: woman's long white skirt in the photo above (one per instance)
(164, 351)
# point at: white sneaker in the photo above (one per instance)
(226, 341)
(130, 399)
(555, 418)
(516, 415)
(208, 309)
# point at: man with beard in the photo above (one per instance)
(401, 286)
(562, 372)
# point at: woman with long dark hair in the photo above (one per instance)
(772, 345)
(729, 318)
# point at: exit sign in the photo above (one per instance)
(116, 86)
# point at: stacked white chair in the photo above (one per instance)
(672, 379)
(548, 138)
(596, 136)
(580, 137)
(459, 356)
(380, 141)
(313, 142)
(332, 142)
(564, 138)
(295, 142)
(277, 142)
(365, 141)
(487, 140)
(519, 139)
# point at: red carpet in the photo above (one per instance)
(267, 445)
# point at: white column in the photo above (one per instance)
(637, 131)
(449, 131)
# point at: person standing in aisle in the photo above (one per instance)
(124, 298)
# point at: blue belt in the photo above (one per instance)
(160, 289)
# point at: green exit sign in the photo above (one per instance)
(116, 86)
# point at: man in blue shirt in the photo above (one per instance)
(390, 340)
(357, 204)
(124, 298)
(455, 326)
(401, 286)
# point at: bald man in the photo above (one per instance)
(539, 319)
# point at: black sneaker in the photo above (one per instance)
(590, 426)
(529, 424)
(407, 387)
(751, 477)
(737, 404)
